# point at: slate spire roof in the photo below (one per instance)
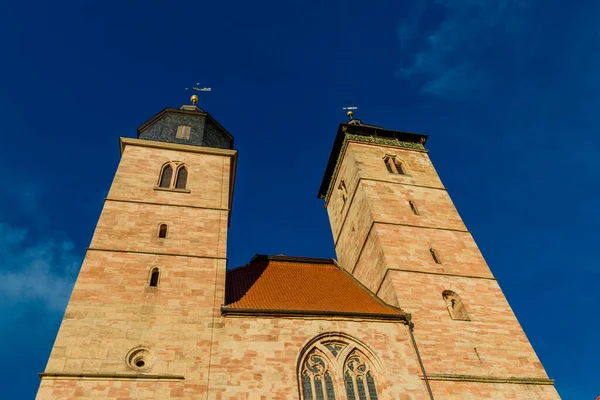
(300, 286)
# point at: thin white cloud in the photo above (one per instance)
(42, 272)
(444, 56)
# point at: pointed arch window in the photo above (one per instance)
(154, 277)
(455, 306)
(317, 380)
(358, 378)
(165, 177)
(173, 175)
(336, 364)
(181, 180)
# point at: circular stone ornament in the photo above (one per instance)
(139, 358)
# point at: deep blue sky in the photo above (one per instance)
(508, 90)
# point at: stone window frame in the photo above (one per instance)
(455, 306)
(336, 350)
(159, 230)
(395, 165)
(152, 281)
(176, 167)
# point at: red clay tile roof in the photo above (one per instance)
(301, 286)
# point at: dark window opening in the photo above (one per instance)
(162, 231)
(399, 167)
(435, 256)
(413, 207)
(388, 165)
(154, 278)
(165, 179)
(181, 178)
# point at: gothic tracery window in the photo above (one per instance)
(358, 378)
(337, 364)
(317, 381)
(173, 175)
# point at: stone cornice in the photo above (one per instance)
(226, 311)
(111, 376)
(124, 141)
(368, 134)
(371, 140)
(489, 379)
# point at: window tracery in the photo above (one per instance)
(173, 175)
(316, 373)
(334, 364)
(359, 381)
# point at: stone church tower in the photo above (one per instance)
(409, 311)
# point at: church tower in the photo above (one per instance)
(397, 231)
(140, 320)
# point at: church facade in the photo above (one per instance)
(409, 310)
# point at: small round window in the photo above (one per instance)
(139, 358)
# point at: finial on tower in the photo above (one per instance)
(197, 88)
(350, 113)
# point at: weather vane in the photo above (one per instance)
(350, 108)
(197, 89)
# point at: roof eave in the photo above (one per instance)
(164, 111)
(310, 313)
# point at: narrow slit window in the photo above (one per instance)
(165, 178)
(343, 193)
(154, 278)
(181, 178)
(389, 164)
(162, 231)
(435, 256)
(413, 207)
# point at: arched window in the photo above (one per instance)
(317, 380)
(358, 378)
(455, 306)
(154, 277)
(334, 363)
(165, 178)
(181, 181)
(162, 231)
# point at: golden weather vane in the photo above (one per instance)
(197, 89)
(350, 109)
